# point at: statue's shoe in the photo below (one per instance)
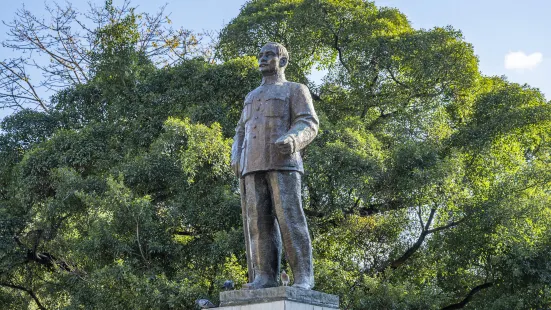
(303, 286)
(305, 283)
(259, 283)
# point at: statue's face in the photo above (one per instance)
(269, 61)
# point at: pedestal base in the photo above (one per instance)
(278, 298)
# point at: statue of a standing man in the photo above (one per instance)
(278, 121)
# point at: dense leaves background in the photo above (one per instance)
(428, 186)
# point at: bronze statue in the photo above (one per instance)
(278, 120)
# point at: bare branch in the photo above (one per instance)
(62, 48)
(15, 79)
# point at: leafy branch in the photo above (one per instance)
(26, 290)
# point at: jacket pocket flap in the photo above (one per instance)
(275, 107)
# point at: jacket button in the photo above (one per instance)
(254, 126)
(257, 108)
(254, 137)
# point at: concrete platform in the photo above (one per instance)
(278, 298)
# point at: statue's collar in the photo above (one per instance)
(264, 83)
(276, 79)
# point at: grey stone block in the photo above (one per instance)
(277, 305)
(274, 294)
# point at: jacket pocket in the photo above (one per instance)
(276, 107)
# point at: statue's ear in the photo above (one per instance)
(283, 62)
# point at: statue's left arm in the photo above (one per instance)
(304, 121)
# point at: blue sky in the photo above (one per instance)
(496, 28)
(519, 31)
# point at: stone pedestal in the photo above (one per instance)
(278, 298)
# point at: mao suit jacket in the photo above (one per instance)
(271, 112)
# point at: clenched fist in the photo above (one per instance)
(285, 145)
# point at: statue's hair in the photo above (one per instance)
(281, 50)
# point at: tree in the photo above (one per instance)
(409, 129)
(427, 187)
(67, 46)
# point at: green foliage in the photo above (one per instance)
(426, 188)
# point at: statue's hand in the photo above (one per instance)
(285, 145)
(235, 167)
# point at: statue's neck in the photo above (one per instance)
(278, 77)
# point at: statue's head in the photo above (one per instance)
(273, 58)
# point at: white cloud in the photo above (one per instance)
(519, 60)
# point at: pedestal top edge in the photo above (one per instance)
(244, 297)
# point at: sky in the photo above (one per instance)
(510, 37)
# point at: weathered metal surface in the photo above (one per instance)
(277, 122)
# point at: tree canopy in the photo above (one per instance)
(428, 186)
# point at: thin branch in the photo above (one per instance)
(452, 224)
(28, 291)
(424, 233)
(469, 296)
(409, 252)
(31, 89)
(419, 215)
(72, 59)
(139, 243)
(339, 50)
(396, 80)
(16, 96)
(336, 41)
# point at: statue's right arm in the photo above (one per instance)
(237, 146)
